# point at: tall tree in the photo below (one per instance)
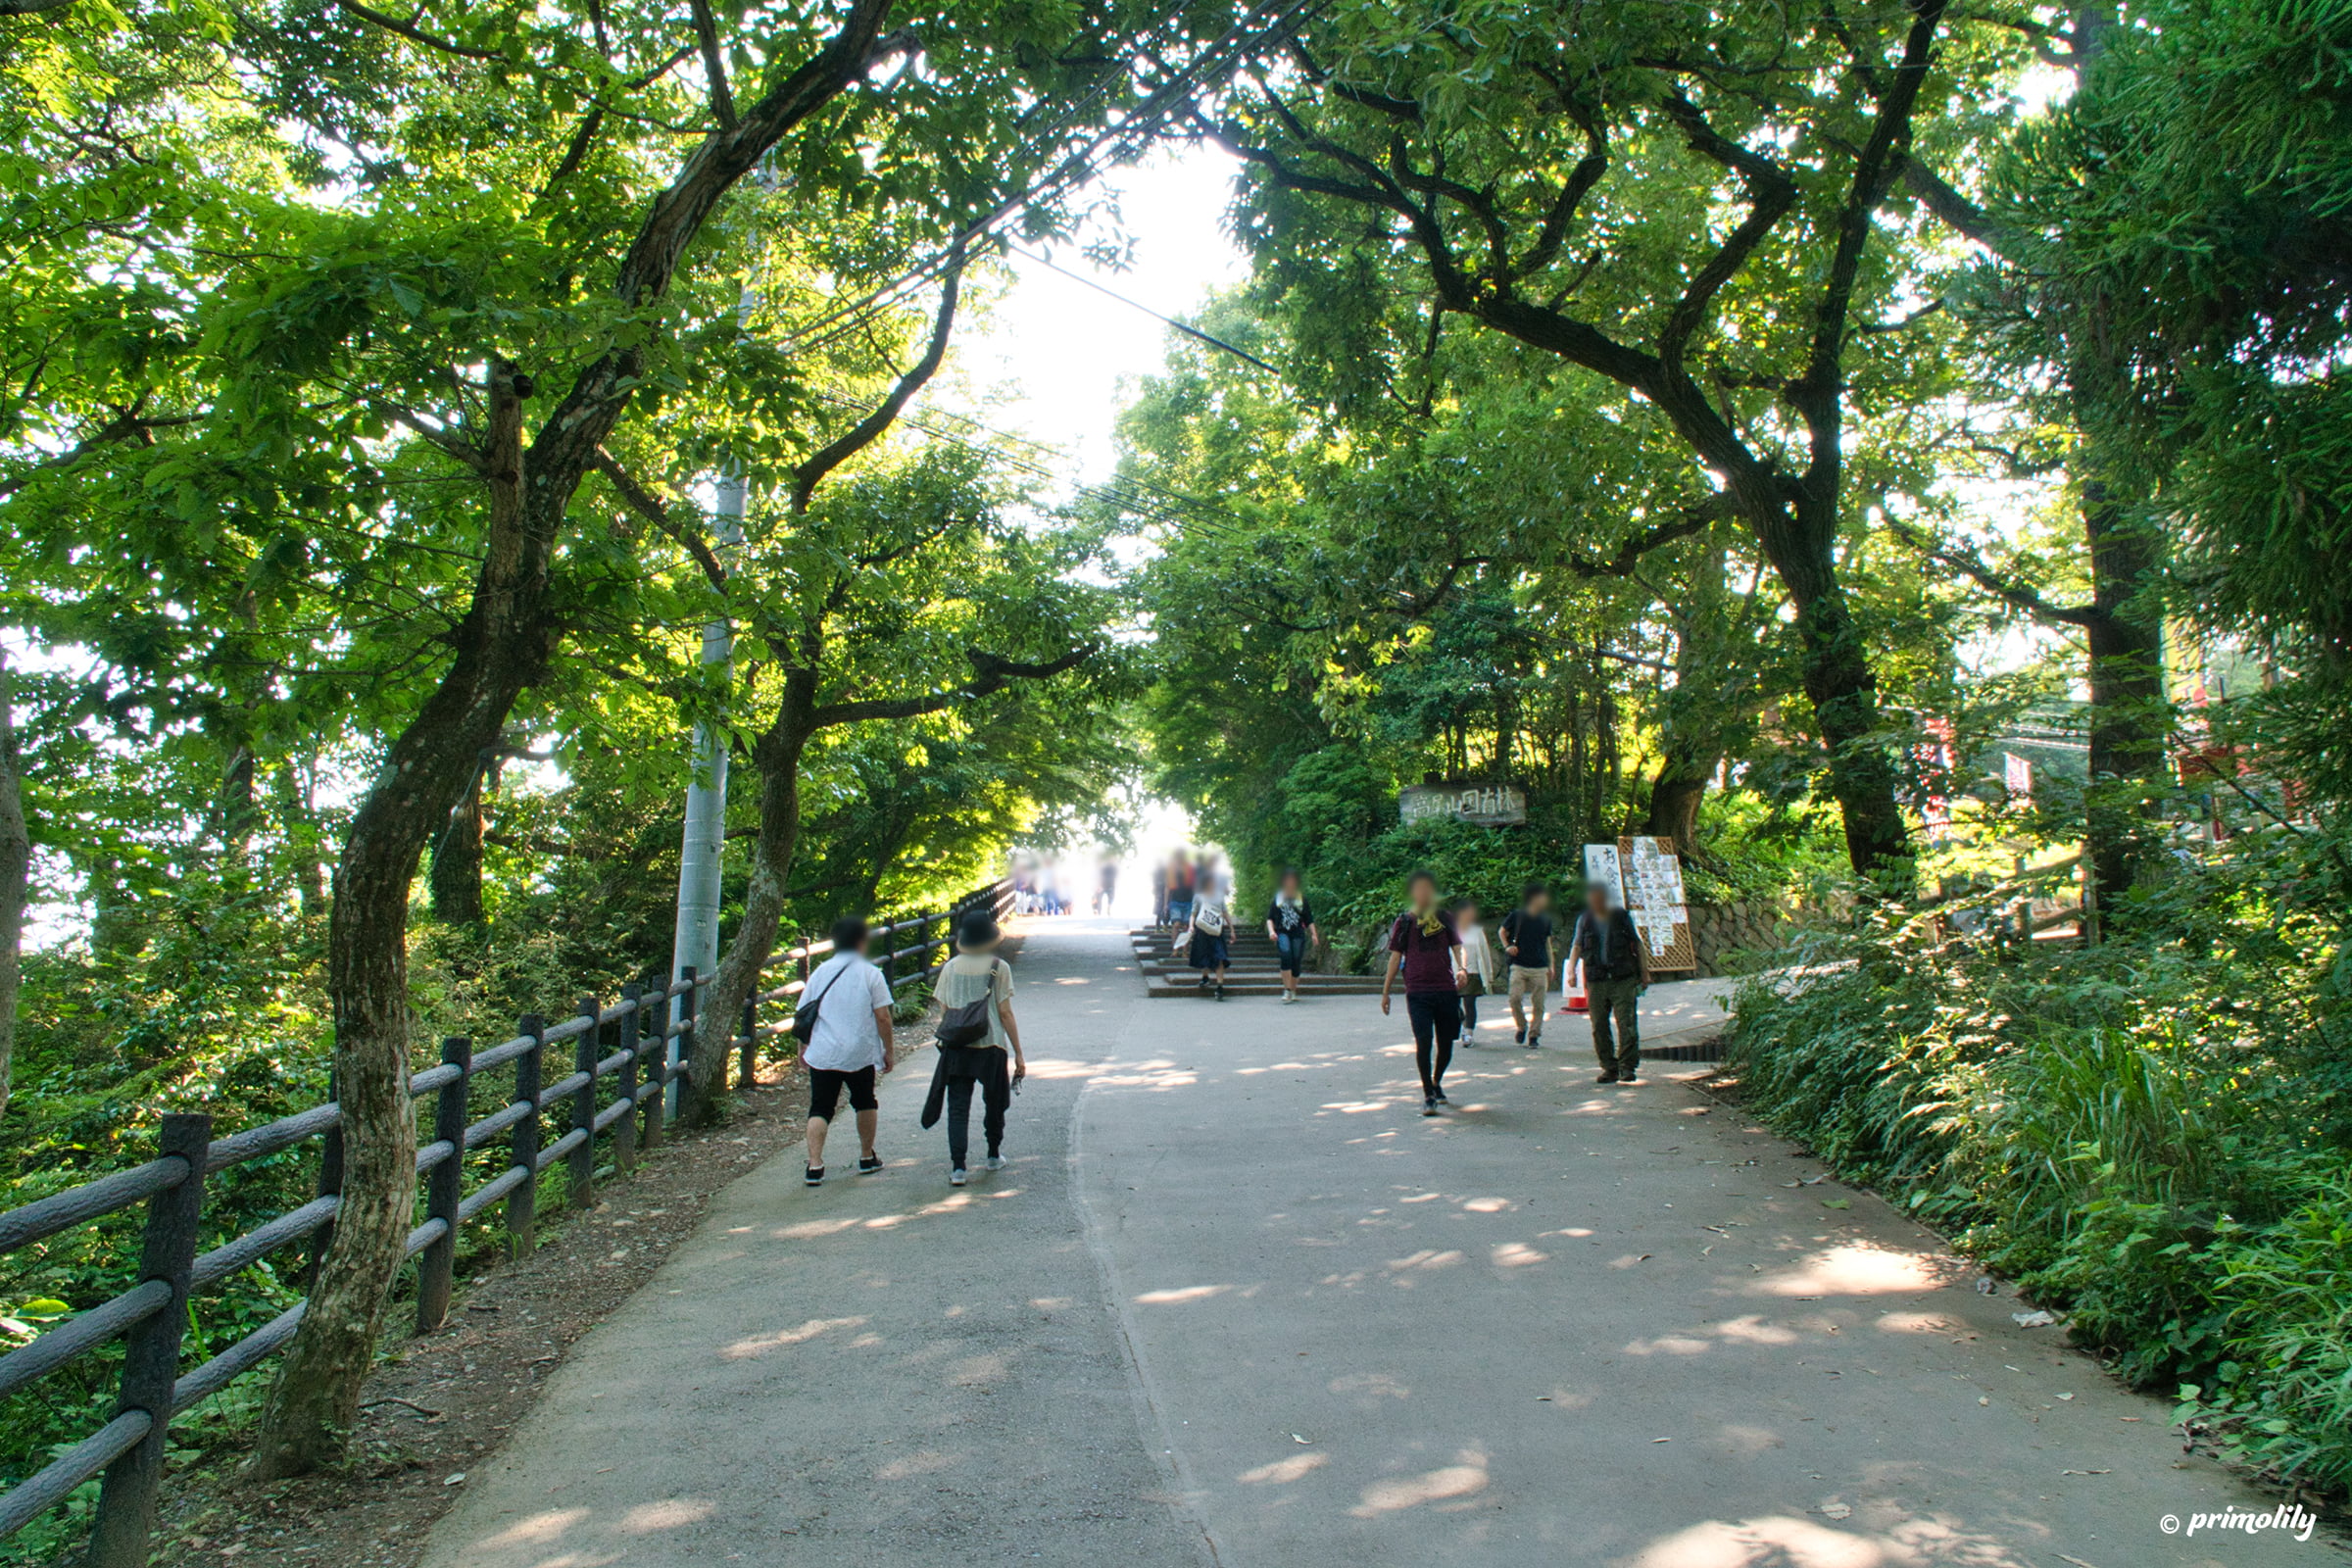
(1561, 176)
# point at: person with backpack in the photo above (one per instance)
(1421, 944)
(844, 1025)
(1211, 946)
(1616, 964)
(1526, 941)
(1291, 923)
(979, 1045)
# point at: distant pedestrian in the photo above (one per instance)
(1291, 923)
(849, 1042)
(1159, 895)
(976, 1032)
(1421, 944)
(1109, 895)
(1609, 946)
(1182, 884)
(1527, 943)
(1475, 961)
(1211, 949)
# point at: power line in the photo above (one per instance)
(1189, 331)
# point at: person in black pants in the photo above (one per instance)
(1421, 946)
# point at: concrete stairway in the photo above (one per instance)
(1253, 971)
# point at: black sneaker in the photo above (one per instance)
(1519, 1039)
(816, 1176)
(868, 1164)
(1439, 1098)
(1428, 1105)
(1533, 1041)
(1606, 1078)
(1629, 1080)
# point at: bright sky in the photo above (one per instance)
(1053, 357)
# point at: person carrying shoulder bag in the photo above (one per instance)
(979, 1045)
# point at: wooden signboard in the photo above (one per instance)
(1644, 877)
(1485, 804)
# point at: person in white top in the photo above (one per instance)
(850, 1042)
(1474, 962)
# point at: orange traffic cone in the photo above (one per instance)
(1572, 983)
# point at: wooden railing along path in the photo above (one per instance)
(634, 1049)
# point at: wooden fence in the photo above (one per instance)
(631, 1050)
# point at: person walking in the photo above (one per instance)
(1108, 894)
(1291, 923)
(1422, 944)
(1609, 946)
(849, 1041)
(1527, 941)
(1182, 884)
(976, 1032)
(1212, 929)
(1475, 958)
(1159, 895)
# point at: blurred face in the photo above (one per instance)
(1467, 916)
(1290, 884)
(1597, 899)
(1538, 903)
(1423, 891)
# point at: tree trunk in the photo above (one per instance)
(1845, 693)
(16, 870)
(300, 830)
(778, 758)
(1674, 799)
(456, 880)
(503, 646)
(2127, 724)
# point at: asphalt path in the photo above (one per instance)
(1236, 1301)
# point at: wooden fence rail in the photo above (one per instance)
(636, 1046)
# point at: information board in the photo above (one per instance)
(1644, 879)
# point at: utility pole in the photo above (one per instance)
(695, 941)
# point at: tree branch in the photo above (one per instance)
(416, 35)
(1972, 565)
(1627, 560)
(812, 474)
(705, 32)
(655, 511)
(991, 674)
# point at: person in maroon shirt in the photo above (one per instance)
(1422, 944)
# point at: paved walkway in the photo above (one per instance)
(1237, 1303)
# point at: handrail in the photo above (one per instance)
(613, 1044)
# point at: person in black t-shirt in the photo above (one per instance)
(1527, 943)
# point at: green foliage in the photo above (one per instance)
(2150, 1133)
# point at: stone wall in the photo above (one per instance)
(1756, 925)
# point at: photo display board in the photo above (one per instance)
(1644, 877)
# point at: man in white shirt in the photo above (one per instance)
(850, 1041)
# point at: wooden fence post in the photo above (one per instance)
(119, 1537)
(630, 1036)
(582, 1179)
(522, 1204)
(444, 1185)
(657, 1009)
(330, 1184)
(748, 1069)
(681, 1046)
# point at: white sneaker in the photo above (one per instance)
(995, 1162)
(956, 1177)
